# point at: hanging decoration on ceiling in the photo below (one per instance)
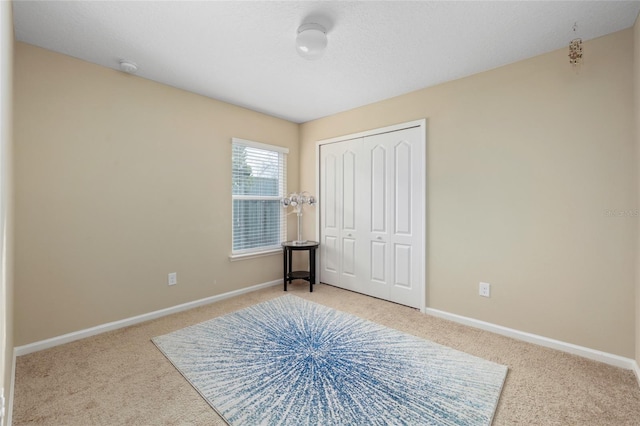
(575, 50)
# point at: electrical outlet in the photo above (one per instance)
(484, 289)
(172, 279)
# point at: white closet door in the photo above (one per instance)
(372, 215)
(341, 202)
(394, 193)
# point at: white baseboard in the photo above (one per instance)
(636, 369)
(9, 406)
(607, 358)
(81, 334)
(593, 354)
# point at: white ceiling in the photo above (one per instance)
(243, 52)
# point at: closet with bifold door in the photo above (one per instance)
(372, 213)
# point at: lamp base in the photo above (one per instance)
(300, 242)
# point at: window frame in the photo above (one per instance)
(282, 189)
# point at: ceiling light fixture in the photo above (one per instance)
(311, 41)
(128, 67)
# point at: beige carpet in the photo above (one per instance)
(120, 378)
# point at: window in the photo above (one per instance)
(259, 174)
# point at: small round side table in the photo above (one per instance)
(288, 248)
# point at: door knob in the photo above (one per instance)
(379, 238)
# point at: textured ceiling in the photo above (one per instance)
(244, 52)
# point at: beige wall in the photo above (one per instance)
(523, 163)
(120, 181)
(6, 250)
(636, 81)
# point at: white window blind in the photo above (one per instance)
(259, 182)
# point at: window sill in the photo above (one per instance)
(244, 256)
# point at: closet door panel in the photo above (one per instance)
(330, 209)
(396, 186)
(402, 189)
(377, 156)
(349, 191)
(330, 255)
(378, 262)
(339, 219)
(330, 204)
(349, 257)
(402, 265)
